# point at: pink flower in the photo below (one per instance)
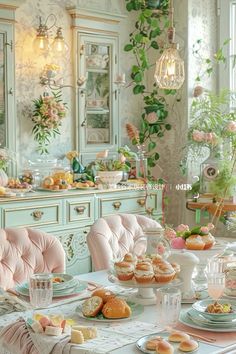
(182, 228)
(204, 229)
(160, 248)
(151, 118)
(210, 138)
(231, 127)
(198, 90)
(122, 158)
(210, 226)
(169, 233)
(198, 136)
(178, 243)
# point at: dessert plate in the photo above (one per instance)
(185, 319)
(141, 343)
(198, 318)
(200, 307)
(136, 309)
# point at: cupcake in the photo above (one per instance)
(157, 260)
(164, 272)
(143, 272)
(176, 268)
(124, 270)
(130, 258)
(209, 241)
(195, 242)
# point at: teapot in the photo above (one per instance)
(154, 241)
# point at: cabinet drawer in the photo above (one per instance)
(38, 215)
(132, 205)
(82, 210)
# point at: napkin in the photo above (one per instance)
(18, 338)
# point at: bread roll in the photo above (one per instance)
(178, 337)
(116, 308)
(151, 344)
(104, 294)
(164, 347)
(77, 337)
(188, 345)
(88, 332)
(92, 306)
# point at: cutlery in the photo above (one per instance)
(206, 339)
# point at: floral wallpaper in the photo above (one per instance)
(29, 67)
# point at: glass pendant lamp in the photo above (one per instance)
(41, 42)
(169, 73)
(59, 46)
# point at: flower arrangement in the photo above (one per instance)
(47, 118)
(111, 165)
(5, 157)
(178, 236)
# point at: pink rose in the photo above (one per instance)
(210, 138)
(178, 243)
(169, 233)
(231, 127)
(198, 90)
(198, 136)
(210, 226)
(204, 229)
(182, 228)
(151, 118)
(160, 248)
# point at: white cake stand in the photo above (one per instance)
(146, 293)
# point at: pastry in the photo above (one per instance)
(48, 181)
(176, 268)
(164, 272)
(188, 345)
(92, 306)
(143, 272)
(104, 294)
(36, 327)
(124, 270)
(130, 258)
(88, 332)
(53, 331)
(177, 336)
(116, 308)
(195, 242)
(164, 347)
(77, 337)
(209, 241)
(151, 344)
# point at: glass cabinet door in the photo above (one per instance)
(7, 112)
(97, 97)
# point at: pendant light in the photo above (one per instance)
(59, 46)
(41, 41)
(169, 73)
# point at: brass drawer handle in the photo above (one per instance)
(80, 210)
(117, 205)
(37, 214)
(141, 202)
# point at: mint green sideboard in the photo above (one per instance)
(69, 215)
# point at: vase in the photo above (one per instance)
(141, 163)
(3, 178)
(110, 178)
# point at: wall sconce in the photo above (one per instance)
(49, 79)
(41, 42)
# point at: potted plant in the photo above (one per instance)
(110, 172)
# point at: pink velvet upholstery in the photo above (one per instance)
(111, 237)
(27, 251)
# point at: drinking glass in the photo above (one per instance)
(168, 306)
(40, 290)
(216, 285)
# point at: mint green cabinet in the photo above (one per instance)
(69, 216)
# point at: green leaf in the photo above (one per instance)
(135, 69)
(151, 146)
(154, 45)
(128, 47)
(155, 33)
(138, 37)
(168, 127)
(138, 89)
(156, 156)
(138, 77)
(129, 6)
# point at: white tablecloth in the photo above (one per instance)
(68, 310)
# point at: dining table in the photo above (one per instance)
(117, 337)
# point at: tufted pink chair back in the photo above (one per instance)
(27, 251)
(111, 237)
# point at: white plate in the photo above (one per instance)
(134, 284)
(136, 309)
(200, 307)
(141, 343)
(183, 318)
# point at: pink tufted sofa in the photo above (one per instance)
(27, 251)
(111, 237)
